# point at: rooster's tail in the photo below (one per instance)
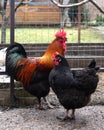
(13, 53)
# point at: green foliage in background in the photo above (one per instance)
(99, 20)
(73, 14)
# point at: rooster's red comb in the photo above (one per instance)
(61, 33)
(55, 54)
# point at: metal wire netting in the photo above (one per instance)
(37, 22)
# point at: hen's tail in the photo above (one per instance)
(92, 64)
(13, 53)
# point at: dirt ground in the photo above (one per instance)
(90, 117)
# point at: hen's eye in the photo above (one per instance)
(59, 60)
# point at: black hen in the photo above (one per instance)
(73, 88)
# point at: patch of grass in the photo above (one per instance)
(92, 36)
(46, 35)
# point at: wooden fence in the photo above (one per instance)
(36, 15)
(78, 55)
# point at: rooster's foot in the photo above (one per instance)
(40, 107)
(50, 106)
(54, 105)
(48, 103)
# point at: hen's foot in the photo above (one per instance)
(66, 118)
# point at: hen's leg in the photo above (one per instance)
(67, 117)
(73, 114)
(72, 117)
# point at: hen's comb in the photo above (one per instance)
(61, 33)
(55, 54)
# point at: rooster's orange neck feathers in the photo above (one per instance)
(46, 59)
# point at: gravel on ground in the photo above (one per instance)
(90, 117)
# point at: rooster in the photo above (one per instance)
(73, 87)
(33, 73)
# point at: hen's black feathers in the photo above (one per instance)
(73, 88)
(92, 64)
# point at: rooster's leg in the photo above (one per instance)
(40, 104)
(48, 103)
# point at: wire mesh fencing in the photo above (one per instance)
(37, 21)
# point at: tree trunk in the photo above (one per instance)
(5, 19)
(3, 27)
